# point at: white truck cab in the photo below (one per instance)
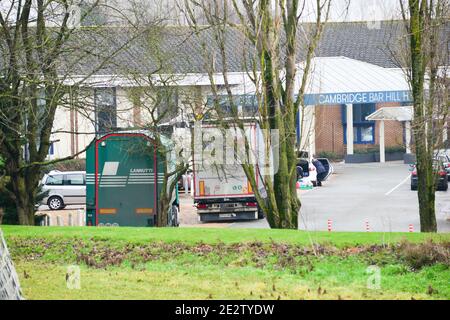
(222, 191)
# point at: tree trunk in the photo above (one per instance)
(284, 207)
(427, 211)
(426, 192)
(26, 216)
(163, 208)
(24, 186)
(288, 217)
(422, 119)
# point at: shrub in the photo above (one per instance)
(424, 254)
(8, 213)
(372, 149)
(68, 165)
(398, 148)
(330, 155)
(376, 149)
(7, 205)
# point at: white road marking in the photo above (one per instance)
(397, 186)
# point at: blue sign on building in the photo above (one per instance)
(341, 98)
(327, 98)
(357, 97)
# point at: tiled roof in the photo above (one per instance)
(177, 50)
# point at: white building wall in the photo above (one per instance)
(193, 91)
(73, 131)
(61, 140)
(125, 117)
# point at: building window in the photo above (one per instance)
(105, 109)
(250, 107)
(363, 130)
(245, 106)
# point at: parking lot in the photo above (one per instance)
(377, 193)
(358, 193)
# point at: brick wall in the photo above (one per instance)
(330, 132)
(329, 129)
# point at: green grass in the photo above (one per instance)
(215, 235)
(174, 281)
(204, 263)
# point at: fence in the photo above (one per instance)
(9, 282)
(63, 218)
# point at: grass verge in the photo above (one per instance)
(216, 235)
(185, 263)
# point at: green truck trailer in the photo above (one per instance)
(124, 179)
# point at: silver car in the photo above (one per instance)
(64, 188)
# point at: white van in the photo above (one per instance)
(64, 188)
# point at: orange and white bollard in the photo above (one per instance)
(329, 222)
(411, 228)
(367, 226)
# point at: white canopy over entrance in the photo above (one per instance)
(404, 114)
(392, 113)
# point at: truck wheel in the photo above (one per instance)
(55, 203)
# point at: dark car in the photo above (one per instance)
(441, 176)
(445, 159)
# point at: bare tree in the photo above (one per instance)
(159, 104)
(41, 50)
(272, 34)
(426, 24)
(160, 114)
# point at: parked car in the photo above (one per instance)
(309, 170)
(444, 157)
(438, 167)
(64, 188)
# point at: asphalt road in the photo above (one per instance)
(358, 193)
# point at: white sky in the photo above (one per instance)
(341, 10)
(358, 10)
